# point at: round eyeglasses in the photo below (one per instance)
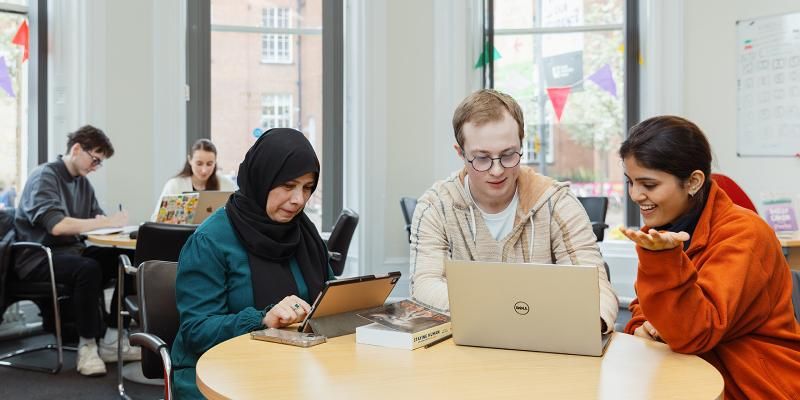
(483, 164)
(96, 162)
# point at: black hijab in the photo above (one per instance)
(278, 156)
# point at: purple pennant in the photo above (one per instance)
(603, 78)
(5, 78)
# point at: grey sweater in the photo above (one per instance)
(50, 195)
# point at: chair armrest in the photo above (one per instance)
(53, 289)
(29, 245)
(155, 344)
(125, 262)
(148, 341)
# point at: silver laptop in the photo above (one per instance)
(209, 202)
(537, 307)
(190, 207)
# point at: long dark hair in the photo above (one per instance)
(674, 145)
(205, 145)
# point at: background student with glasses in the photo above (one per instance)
(56, 205)
(495, 209)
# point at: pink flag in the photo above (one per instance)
(558, 96)
(5, 78)
(603, 78)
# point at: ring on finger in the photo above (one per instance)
(296, 306)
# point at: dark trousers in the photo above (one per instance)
(87, 274)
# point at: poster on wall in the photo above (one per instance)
(768, 86)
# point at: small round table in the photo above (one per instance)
(121, 240)
(632, 368)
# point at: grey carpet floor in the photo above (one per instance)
(68, 383)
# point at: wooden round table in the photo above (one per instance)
(121, 240)
(632, 368)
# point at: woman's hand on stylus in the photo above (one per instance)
(290, 310)
(655, 240)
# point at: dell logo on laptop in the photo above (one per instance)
(521, 308)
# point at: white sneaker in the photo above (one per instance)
(108, 351)
(89, 362)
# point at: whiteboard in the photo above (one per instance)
(768, 86)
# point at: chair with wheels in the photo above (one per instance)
(155, 241)
(158, 312)
(734, 191)
(596, 208)
(339, 241)
(12, 290)
(407, 206)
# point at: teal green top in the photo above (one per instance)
(215, 297)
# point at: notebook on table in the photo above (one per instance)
(190, 207)
(536, 307)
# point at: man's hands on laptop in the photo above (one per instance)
(290, 310)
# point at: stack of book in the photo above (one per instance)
(403, 325)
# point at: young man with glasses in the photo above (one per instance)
(56, 205)
(496, 210)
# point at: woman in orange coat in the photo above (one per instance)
(712, 278)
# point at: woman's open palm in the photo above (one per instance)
(655, 240)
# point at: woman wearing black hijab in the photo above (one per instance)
(255, 264)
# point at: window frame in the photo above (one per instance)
(36, 14)
(198, 89)
(278, 101)
(630, 31)
(276, 38)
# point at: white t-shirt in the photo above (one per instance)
(499, 224)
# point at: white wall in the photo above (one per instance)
(408, 66)
(709, 56)
(119, 65)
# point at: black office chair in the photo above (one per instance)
(155, 241)
(596, 209)
(407, 206)
(159, 317)
(339, 241)
(12, 290)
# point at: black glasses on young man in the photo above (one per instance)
(482, 164)
(96, 162)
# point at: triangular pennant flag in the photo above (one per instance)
(5, 78)
(21, 38)
(483, 59)
(603, 78)
(558, 96)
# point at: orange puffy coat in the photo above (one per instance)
(727, 298)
